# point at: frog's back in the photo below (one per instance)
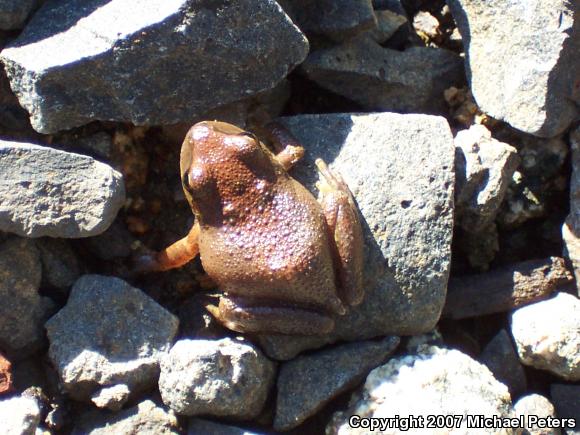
(280, 253)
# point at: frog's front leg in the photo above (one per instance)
(288, 149)
(243, 314)
(175, 255)
(345, 231)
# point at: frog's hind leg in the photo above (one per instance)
(245, 315)
(344, 228)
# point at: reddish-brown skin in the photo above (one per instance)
(5, 375)
(285, 262)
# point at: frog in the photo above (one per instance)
(284, 261)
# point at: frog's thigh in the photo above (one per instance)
(243, 315)
(344, 226)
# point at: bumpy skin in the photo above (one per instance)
(285, 263)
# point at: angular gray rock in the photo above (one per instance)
(547, 335)
(146, 418)
(566, 399)
(501, 358)
(197, 426)
(216, 377)
(147, 61)
(433, 381)
(484, 168)
(309, 382)
(19, 416)
(109, 333)
(400, 170)
(335, 19)
(22, 310)
(383, 79)
(112, 398)
(571, 228)
(539, 406)
(13, 13)
(521, 60)
(47, 192)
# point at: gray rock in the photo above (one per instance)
(547, 335)
(566, 399)
(433, 381)
(383, 79)
(19, 416)
(309, 382)
(484, 168)
(109, 333)
(197, 426)
(335, 19)
(112, 398)
(388, 23)
(539, 406)
(400, 169)
(60, 265)
(216, 377)
(13, 13)
(571, 228)
(521, 60)
(501, 358)
(72, 196)
(147, 62)
(22, 311)
(144, 419)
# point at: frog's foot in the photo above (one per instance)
(245, 315)
(345, 231)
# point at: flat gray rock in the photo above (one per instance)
(72, 196)
(547, 335)
(522, 60)
(434, 381)
(13, 13)
(571, 228)
(108, 333)
(216, 377)
(146, 418)
(309, 382)
(19, 416)
(22, 310)
(400, 170)
(501, 358)
(147, 61)
(383, 79)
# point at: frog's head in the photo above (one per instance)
(223, 169)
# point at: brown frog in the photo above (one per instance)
(286, 262)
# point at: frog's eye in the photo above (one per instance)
(195, 180)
